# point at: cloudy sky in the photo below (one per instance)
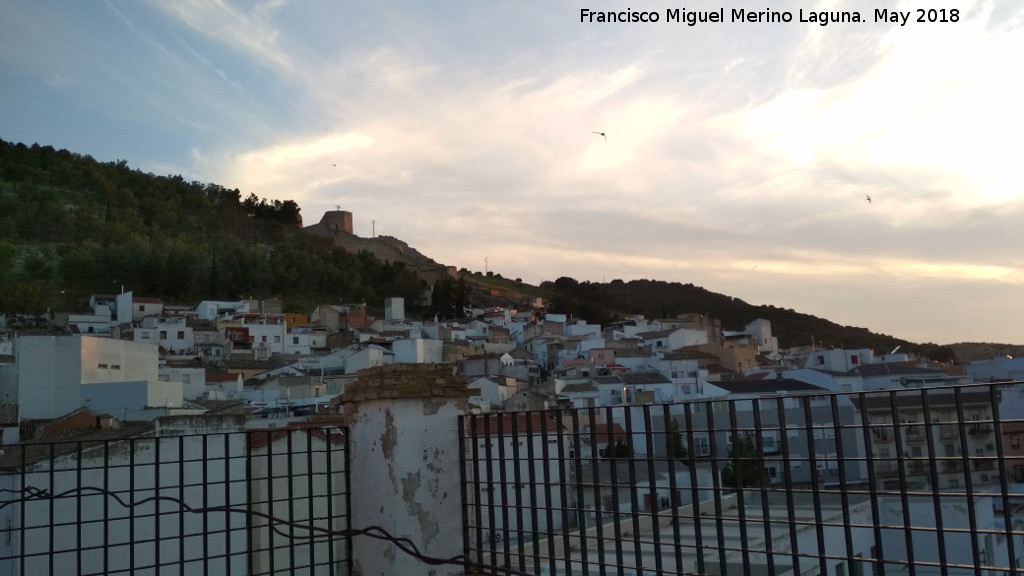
(739, 156)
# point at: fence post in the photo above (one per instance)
(403, 455)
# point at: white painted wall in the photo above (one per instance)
(407, 453)
(193, 380)
(120, 398)
(214, 475)
(418, 351)
(270, 335)
(52, 368)
(103, 524)
(839, 360)
(513, 454)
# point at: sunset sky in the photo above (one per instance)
(739, 157)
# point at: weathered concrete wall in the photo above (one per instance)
(404, 456)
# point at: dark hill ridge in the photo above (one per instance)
(658, 299)
(71, 226)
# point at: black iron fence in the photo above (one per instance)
(266, 502)
(919, 481)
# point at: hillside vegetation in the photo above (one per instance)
(71, 226)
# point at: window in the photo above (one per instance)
(115, 366)
(142, 308)
(181, 334)
(103, 366)
(854, 360)
(702, 446)
(163, 334)
(1015, 441)
(264, 338)
(295, 339)
(821, 360)
(277, 339)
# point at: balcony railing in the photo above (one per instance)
(689, 489)
(268, 502)
(915, 434)
(837, 493)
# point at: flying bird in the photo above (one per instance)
(868, 198)
(602, 134)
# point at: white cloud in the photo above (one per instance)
(737, 159)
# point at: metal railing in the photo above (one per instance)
(263, 502)
(689, 488)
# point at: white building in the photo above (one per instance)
(214, 309)
(394, 310)
(136, 400)
(91, 535)
(584, 330)
(1000, 368)
(172, 333)
(142, 307)
(502, 442)
(345, 360)
(418, 351)
(759, 334)
(193, 380)
(51, 370)
(495, 390)
(839, 360)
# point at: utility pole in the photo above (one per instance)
(485, 266)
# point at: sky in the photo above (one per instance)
(737, 156)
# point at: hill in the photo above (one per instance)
(71, 226)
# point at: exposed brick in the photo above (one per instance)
(407, 381)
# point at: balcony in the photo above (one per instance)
(886, 469)
(518, 495)
(882, 434)
(915, 434)
(917, 468)
(987, 464)
(952, 466)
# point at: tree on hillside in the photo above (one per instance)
(676, 447)
(442, 298)
(744, 467)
